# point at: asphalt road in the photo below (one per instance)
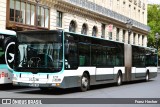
(138, 89)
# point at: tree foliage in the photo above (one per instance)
(154, 23)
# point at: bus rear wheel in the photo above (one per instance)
(85, 82)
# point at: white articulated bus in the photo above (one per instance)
(7, 39)
(61, 59)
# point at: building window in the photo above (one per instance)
(143, 40)
(59, 19)
(129, 37)
(123, 39)
(84, 29)
(117, 34)
(42, 19)
(94, 31)
(12, 10)
(23, 11)
(28, 15)
(134, 38)
(103, 30)
(138, 39)
(72, 26)
(46, 17)
(18, 12)
(110, 35)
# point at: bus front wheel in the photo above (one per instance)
(85, 82)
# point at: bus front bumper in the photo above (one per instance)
(67, 82)
(58, 85)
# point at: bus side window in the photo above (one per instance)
(84, 54)
(71, 54)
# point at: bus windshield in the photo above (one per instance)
(39, 52)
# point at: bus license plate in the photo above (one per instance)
(34, 85)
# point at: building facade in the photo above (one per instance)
(101, 18)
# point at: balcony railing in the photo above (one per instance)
(106, 12)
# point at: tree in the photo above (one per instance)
(154, 23)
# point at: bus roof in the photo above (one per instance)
(7, 32)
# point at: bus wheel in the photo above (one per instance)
(85, 82)
(119, 79)
(147, 77)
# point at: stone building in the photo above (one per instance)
(101, 18)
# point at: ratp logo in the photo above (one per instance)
(9, 55)
(6, 101)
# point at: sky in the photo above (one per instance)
(153, 1)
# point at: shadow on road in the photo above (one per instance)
(5, 87)
(57, 91)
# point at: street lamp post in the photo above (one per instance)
(157, 38)
(36, 16)
(129, 25)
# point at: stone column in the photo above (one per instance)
(114, 33)
(126, 37)
(106, 32)
(53, 15)
(140, 40)
(145, 41)
(136, 39)
(131, 38)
